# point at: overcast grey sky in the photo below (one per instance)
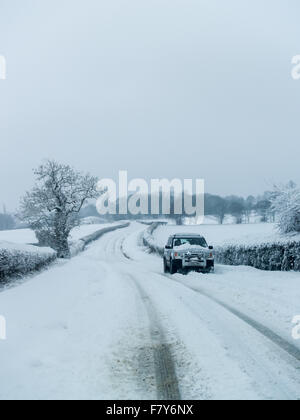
(162, 88)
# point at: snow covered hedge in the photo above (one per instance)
(149, 241)
(18, 260)
(270, 257)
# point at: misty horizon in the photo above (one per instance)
(192, 89)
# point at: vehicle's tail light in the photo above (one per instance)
(176, 254)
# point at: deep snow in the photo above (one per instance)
(18, 236)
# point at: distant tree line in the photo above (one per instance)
(239, 208)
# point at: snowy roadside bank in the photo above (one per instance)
(149, 241)
(17, 260)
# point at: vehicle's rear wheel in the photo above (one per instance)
(173, 267)
(166, 268)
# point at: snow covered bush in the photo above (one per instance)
(286, 205)
(269, 257)
(18, 260)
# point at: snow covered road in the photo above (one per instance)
(110, 325)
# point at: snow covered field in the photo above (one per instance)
(27, 236)
(105, 323)
(18, 236)
(220, 235)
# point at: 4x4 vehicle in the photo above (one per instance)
(185, 252)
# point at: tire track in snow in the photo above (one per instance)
(165, 372)
(276, 339)
(123, 251)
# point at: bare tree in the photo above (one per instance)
(220, 207)
(236, 207)
(51, 209)
(7, 221)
